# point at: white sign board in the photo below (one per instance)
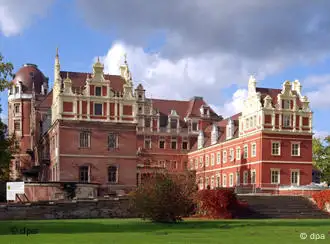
(14, 188)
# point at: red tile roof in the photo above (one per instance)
(272, 92)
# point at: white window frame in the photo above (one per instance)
(231, 154)
(298, 149)
(253, 149)
(95, 91)
(218, 157)
(286, 120)
(207, 160)
(245, 151)
(218, 180)
(212, 182)
(196, 163)
(201, 183)
(147, 139)
(287, 104)
(231, 180)
(253, 171)
(238, 180)
(279, 148)
(212, 159)
(94, 109)
(298, 177)
(224, 156)
(245, 177)
(224, 180)
(279, 176)
(238, 153)
(207, 182)
(201, 163)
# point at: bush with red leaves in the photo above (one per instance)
(218, 203)
(321, 198)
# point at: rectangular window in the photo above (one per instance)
(224, 156)
(17, 108)
(218, 183)
(17, 166)
(174, 165)
(295, 177)
(162, 142)
(286, 104)
(247, 123)
(276, 150)
(212, 159)
(238, 178)
(246, 177)
(232, 154)
(251, 122)
(231, 180)
(184, 145)
(201, 162)
(85, 139)
(224, 180)
(173, 144)
(147, 142)
(245, 152)
(212, 182)
(17, 125)
(295, 149)
(238, 153)
(207, 161)
(253, 150)
(253, 176)
(112, 174)
(286, 120)
(16, 89)
(196, 164)
(98, 91)
(275, 176)
(207, 183)
(218, 157)
(194, 126)
(112, 141)
(254, 120)
(84, 174)
(185, 165)
(98, 109)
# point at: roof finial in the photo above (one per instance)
(98, 59)
(67, 75)
(125, 58)
(57, 52)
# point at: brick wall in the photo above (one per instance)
(119, 208)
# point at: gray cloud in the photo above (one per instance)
(257, 29)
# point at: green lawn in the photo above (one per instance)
(135, 231)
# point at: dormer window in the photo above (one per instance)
(16, 89)
(98, 91)
(174, 123)
(286, 104)
(194, 126)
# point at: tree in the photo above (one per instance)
(7, 143)
(321, 157)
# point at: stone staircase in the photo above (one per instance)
(281, 207)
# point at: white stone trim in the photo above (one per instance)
(19, 96)
(95, 156)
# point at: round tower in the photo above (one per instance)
(29, 84)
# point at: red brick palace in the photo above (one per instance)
(98, 128)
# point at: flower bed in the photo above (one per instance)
(322, 199)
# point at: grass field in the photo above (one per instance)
(135, 231)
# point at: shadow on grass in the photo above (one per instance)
(136, 225)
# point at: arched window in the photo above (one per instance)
(112, 174)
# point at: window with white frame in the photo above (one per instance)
(286, 104)
(231, 179)
(246, 177)
(98, 91)
(224, 180)
(246, 123)
(295, 177)
(201, 162)
(251, 123)
(207, 182)
(218, 158)
(162, 142)
(253, 176)
(174, 142)
(231, 153)
(218, 183)
(207, 161)
(286, 120)
(212, 159)
(276, 149)
(275, 176)
(196, 163)
(112, 141)
(295, 149)
(98, 109)
(201, 183)
(238, 153)
(238, 180)
(224, 156)
(212, 182)
(84, 139)
(147, 142)
(112, 174)
(245, 151)
(253, 149)
(255, 120)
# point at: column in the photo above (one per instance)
(294, 121)
(75, 105)
(300, 123)
(273, 120)
(177, 125)
(310, 123)
(80, 111)
(88, 109)
(262, 120)
(116, 112)
(280, 121)
(157, 123)
(120, 111)
(108, 110)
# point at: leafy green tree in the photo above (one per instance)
(321, 157)
(7, 143)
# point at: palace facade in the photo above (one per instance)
(99, 128)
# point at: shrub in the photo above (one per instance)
(70, 189)
(165, 198)
(321, 198)
(218, 203)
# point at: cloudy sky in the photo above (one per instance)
(180, 49)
